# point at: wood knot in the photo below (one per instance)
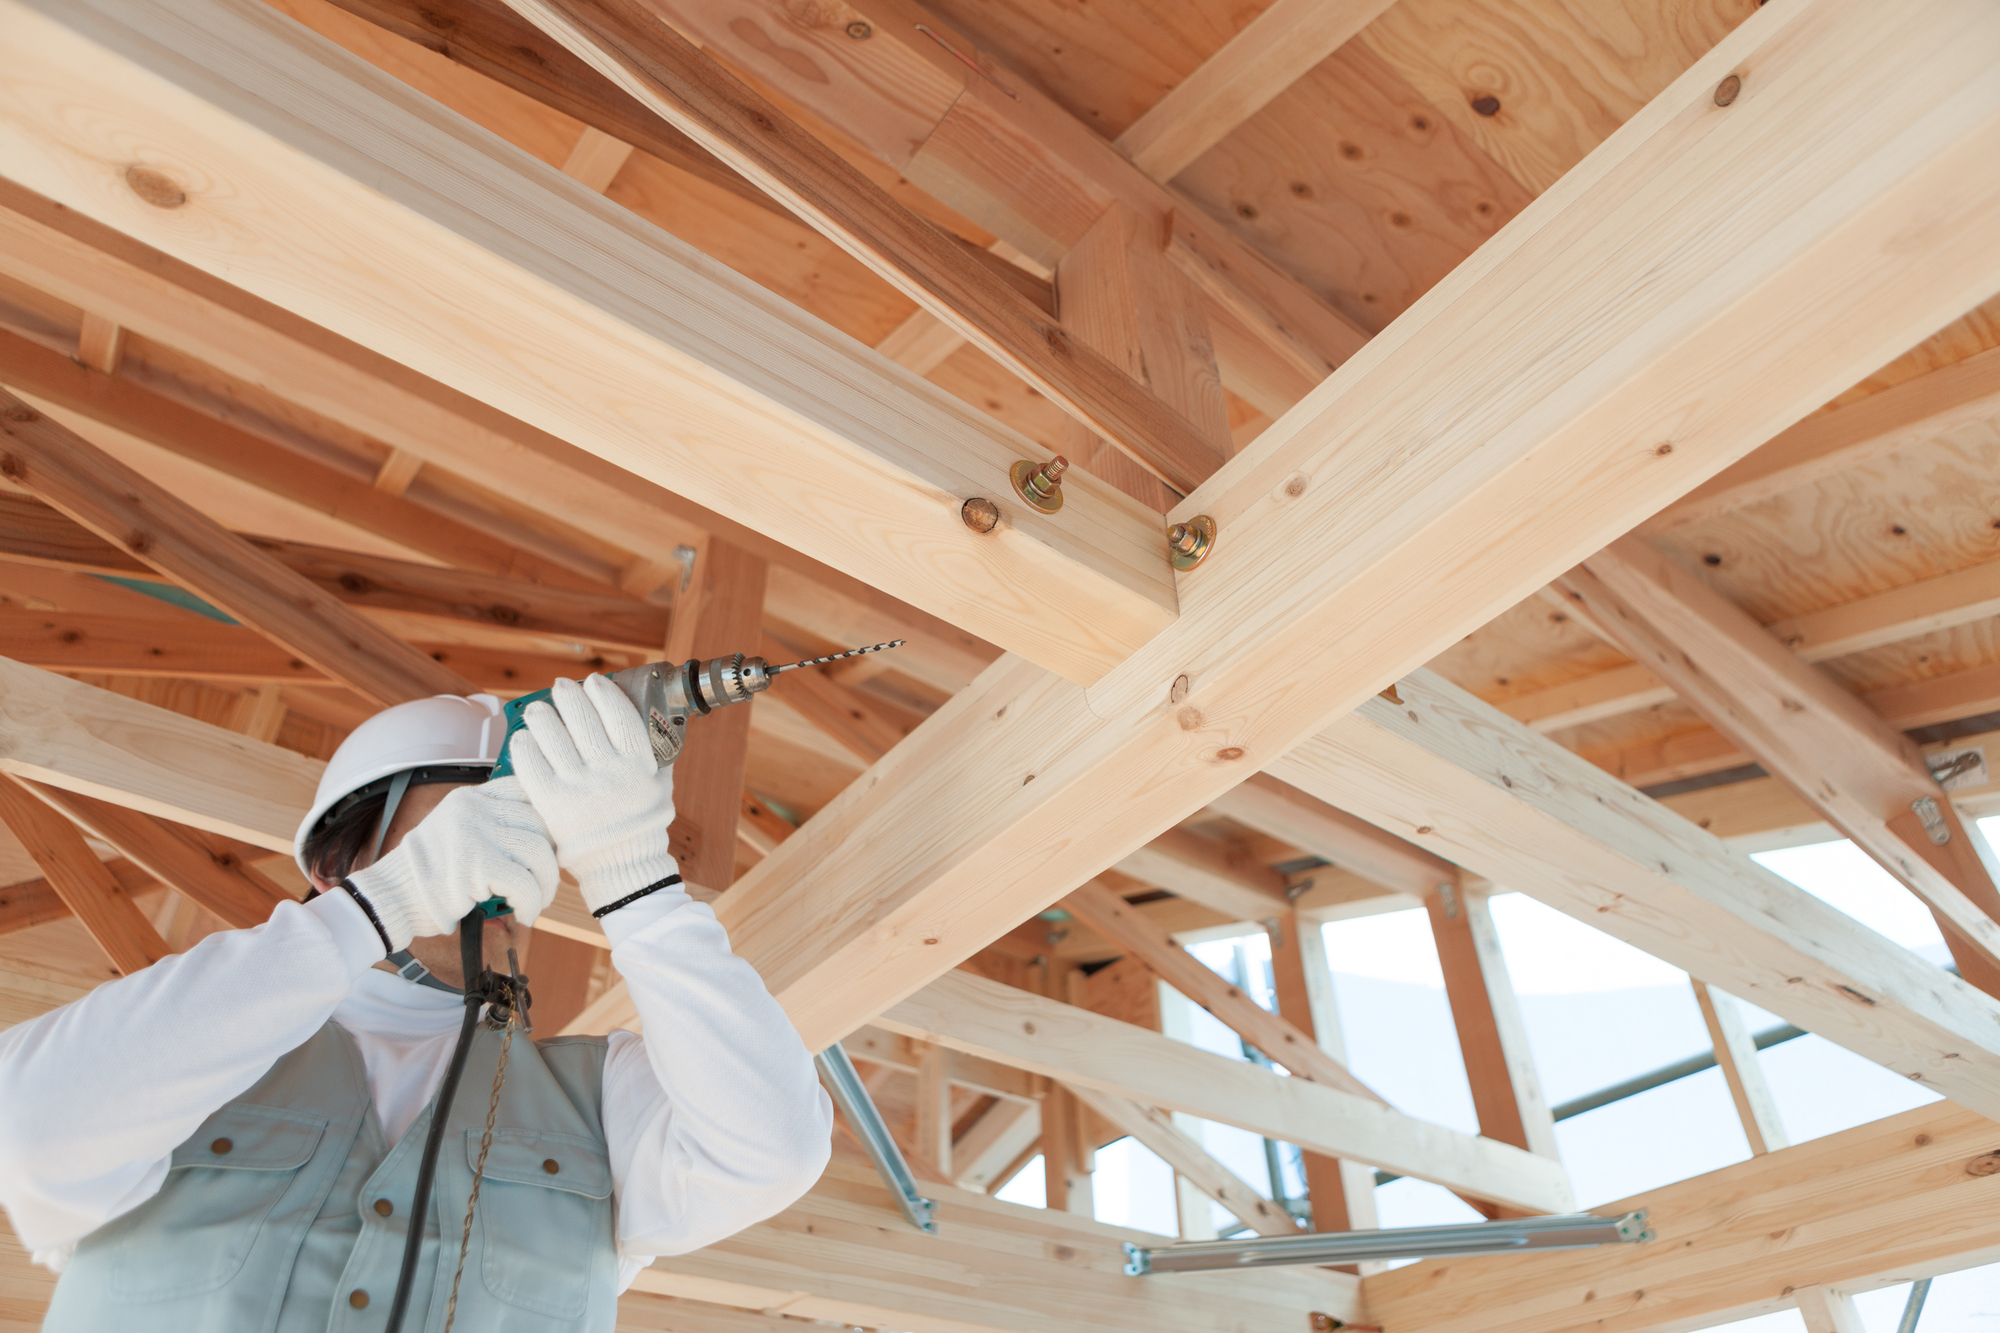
(1189, 718)
(1986, 1164)
(1229, 753)
(155, 187)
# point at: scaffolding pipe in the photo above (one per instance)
(1570, 1231)
(843, 1084)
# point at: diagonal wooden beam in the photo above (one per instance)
(91, 892)
(1274, 51)
(1110, 916)
(1310, 824)
(35, 902)
(1463, 780)
(175, 856)
(630, 44)
(1077, 1047)
(1195, 868)
(1190, 1161)
(840, 441)
(1866, 778)
(1736, 1056)
(178, 540)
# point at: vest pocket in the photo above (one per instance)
(221, 1186)
(544, 1218)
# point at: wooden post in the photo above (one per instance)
(934, 1119)
(1828, 1311)
(1342, 1192)
(1506, 1091)
(720, 612)
(1197, 1218)
(1736, 1053)
(1067, 1154)
(559, 971)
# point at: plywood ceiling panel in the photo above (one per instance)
(1537, 84)
(1354, 183)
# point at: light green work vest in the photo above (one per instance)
(272, 1215)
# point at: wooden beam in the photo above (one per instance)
(1838, 438)
(1110, 916)
(1262, 653)
(844, 1255)
(1463, 780)
(596, 158)
(179, 858)
(983, 1077)
(1080, 1048)
(100, 344)
(65, 385)
(1907, 1197)
(993, 1142)
(631, 46)
(1867, 779)
(61, 733)
(1194, 868)
(1191, 1162)
(1962, 597)
(201, 649)
(94, 896)
(1274, 51)
(35, 902)
(1270, 806)
(152, 525)
(726, 610)
(865, 726)
(1736, 1053)
(500, 234)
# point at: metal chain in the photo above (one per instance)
(479, 1170)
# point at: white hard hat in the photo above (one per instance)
(446, 730)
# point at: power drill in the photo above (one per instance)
(667, 695)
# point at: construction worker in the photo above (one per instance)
(230, 1140)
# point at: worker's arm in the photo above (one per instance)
(715, 1120)
(95, 1096)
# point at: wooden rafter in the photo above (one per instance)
(1461, 779)
(1867, 779)
(90, 891)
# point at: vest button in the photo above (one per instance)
(221, 1147)
(358, 1299)
(384, 1207)
(551, 1165)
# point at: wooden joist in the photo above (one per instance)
(193, 550)
(1269, 55)
(90, 891)
(753, 408)
(630, 45)
(1548, 394)
(1310, 824)
(1911, 1196)
(1867, 779)
(1463, 780)
(1077, 1047)
(1197, 869)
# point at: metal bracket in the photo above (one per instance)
(1926, 808)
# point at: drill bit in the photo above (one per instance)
(834, 657)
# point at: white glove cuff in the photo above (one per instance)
(622, 871)
(387, 892)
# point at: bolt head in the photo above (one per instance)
(1726, 91)
(980, 514)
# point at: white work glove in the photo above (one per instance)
(588, 766)
(480, 842)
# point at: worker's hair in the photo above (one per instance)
(333, 845)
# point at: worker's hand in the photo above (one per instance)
(587, 764)
(480, 842)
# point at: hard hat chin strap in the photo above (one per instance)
(407, 967)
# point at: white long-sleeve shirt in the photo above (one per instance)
(713, 1121)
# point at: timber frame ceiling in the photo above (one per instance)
(1598, 407)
